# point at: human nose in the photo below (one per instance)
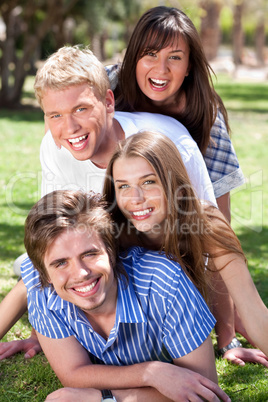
(71, 125)
(80, 269)
(161, 64)
(136, 195)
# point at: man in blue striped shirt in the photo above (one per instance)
(141, 311)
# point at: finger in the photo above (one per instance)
(259, 360)
(5, 346)
(8, 353)
(30, 353)
(234, 359)
(212, 392)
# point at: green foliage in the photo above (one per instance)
(21, 133)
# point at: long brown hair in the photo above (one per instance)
(192, 230)
(158, 28)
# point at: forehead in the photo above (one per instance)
(72, 242)
(163, 38)
(131, 167)
(68, 98)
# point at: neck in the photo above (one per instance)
(114, 133)
(172, 106)
(102, 318)
(151, 241)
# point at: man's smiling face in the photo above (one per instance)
(79, 269)
(78, 119)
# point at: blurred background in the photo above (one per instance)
(234, 34)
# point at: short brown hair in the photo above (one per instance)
(61, 210)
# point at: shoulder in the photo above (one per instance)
(153, 121)
(219, 130)
(141, 121)
(152, 269)
(112, 71)
(30, 275)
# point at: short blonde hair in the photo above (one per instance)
(71, 65)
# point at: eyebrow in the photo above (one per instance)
(74, 108)
(90, 251)
(142, 177)
(177, 51)
(57, 261)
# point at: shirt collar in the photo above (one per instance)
(128, 309)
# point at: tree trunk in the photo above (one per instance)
(260, 41)
(238, 35)
(210, 32)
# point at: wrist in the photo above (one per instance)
(107, 395)
(233, 344)
(151, 373)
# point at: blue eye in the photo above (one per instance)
(60, 264)
(123, 186)
(149, 182)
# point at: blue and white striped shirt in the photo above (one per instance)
(160, 315)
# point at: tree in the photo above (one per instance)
(258, 11)
(260, 39)
(238, 35)
(27, 22)
(210, 32)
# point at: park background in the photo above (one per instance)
(234, 35)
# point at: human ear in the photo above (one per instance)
(188, 70)
(109, 101)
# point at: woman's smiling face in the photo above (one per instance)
(160, 75)
(140, 195)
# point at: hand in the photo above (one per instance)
(75, 394)
(180, 384)
(240, 356)
(30, 346)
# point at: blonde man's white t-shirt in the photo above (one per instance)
(60, 170)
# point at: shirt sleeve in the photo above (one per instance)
(221, 160)
(188, 321)
(112, 71)
(51, 175)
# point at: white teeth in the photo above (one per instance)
(75, 140)
(142, 213)
(86, 288)
(158, 82)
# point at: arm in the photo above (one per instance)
(224, 205)
(13, 306)
(72, 365)
(250, 307)
(241, 288)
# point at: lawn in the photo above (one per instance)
(20, 135)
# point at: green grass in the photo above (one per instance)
(21, 133)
